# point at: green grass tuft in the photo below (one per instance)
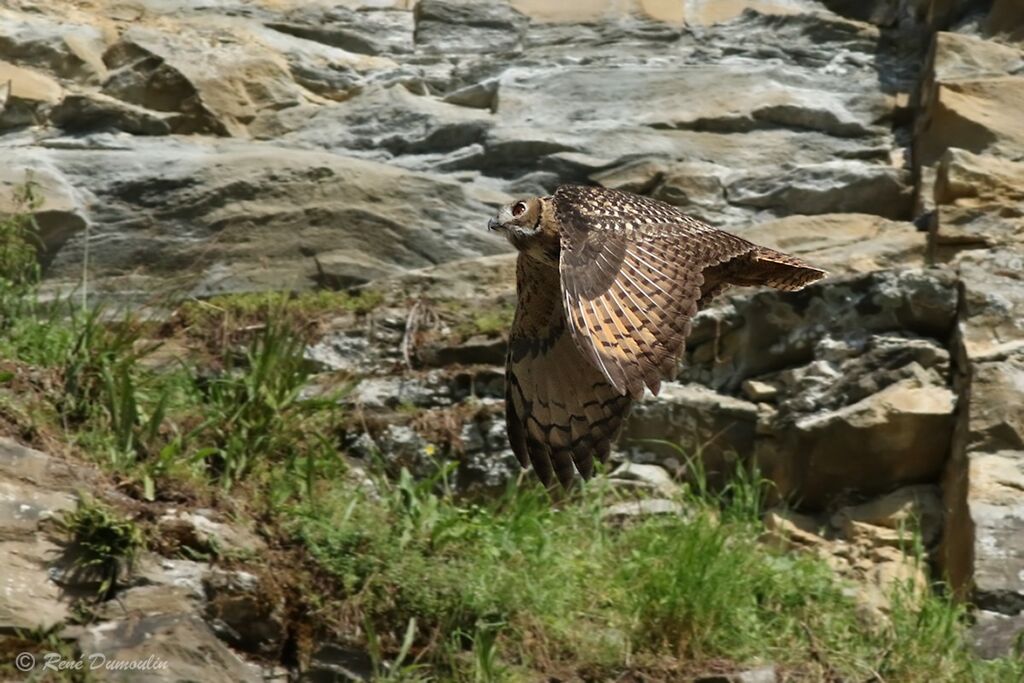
(101, 544)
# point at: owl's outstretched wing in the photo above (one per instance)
(634, 271)
(561, 411)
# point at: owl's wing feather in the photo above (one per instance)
(633, 275)
(560, 410)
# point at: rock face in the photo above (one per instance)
(192, 149)
(388, 135)
(969, 159)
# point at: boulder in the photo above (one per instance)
(645, 477)
(997, 513)
(954, 229)
(995, 634)
(690, 421)
(56, 206)
(159, 585)
(829, 187)
(993, 303)
(967, 179)
(25, 95)
(29, 85)
(245, 611)
(382, 122)
(977, 114)
(898, 436)
(704, 12)
(217, 87)
(627, 510)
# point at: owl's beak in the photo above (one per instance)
(493, 224)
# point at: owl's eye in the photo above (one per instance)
(518, 209)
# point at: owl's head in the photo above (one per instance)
(519, 219)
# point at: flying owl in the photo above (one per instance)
(607, 283)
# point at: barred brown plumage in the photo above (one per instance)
(607, 284)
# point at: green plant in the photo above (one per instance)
(256, 412)
(19, 263)
(100, 544)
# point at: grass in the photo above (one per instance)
(518, 586)
(491, 321)
(222, 320)
(432, 586)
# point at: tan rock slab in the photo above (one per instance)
(905, 510)
(899, 435)
(967, 179)
(844, 242)
(979, 115)
(31, 85)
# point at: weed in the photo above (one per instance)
(101, 544)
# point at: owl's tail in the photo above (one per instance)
(767, 267)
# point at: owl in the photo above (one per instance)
(607, 284)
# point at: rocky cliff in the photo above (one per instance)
(185, 149)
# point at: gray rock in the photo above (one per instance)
(993, 302)
(770, 331)
(690, 421)
(199, 532)
(369, 32)
(163, 647)
(381, 122)
(331, 663)
(619, 513)
(395, 392)
(653, 477)
(244, 611)
(996, 635)
(68, 49)
(454, 27)
(159, 585)
(486, 462)
(397, 446)
(831, 187)
(33, 488)
(97, 111)
(31, 599)
(157, 218)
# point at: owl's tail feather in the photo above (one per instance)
(767, 267)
